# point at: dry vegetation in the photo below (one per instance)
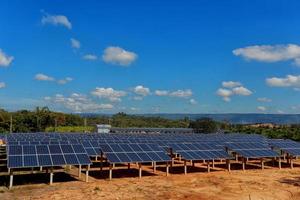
(254, 183)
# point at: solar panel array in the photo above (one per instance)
(288, 146)
(199, 151)
(252, 150)
(129, 153)
(124, 148)
(24, 156)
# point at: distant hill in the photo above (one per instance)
(250, 118)
(235, 118)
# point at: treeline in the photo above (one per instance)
(36, 121)
(44, 120)
(279, 131)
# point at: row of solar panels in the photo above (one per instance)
(23, 156)
(130, 152)
(172, 137)
(119, 153)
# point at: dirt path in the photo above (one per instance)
(250, 185)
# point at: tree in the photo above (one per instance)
(204, 125)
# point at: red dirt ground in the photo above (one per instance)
(252, 184)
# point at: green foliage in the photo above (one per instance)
(123, 120)
(42, 119)
(204, 125)
(279, 131)
(66, 129)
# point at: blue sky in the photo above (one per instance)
(151, 56)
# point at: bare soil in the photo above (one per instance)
(252, 184)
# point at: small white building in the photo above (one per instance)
(103, 128)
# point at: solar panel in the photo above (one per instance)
(71, 159)
(83, 159)
(58, 159)
(128, 153)
(15, 150)
(248, 145)
(29, 150)
(46, 155)
(257, 153)
(293, 152)
(199, 151)
(42, 149)
(30, 161)
(45, 160)
(252, 150)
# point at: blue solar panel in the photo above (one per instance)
(55, 149)
(112, 157)
(123, 157)
(78, 148)
(288, 146)
(199, 151)
(134, 157)
(293, 152)
(126, 153)
(244, 145)
(45, 160)
(71, 159)
(46, 155)
(126, 147)
(30, 161)
(257, 153)
(67, 149)
(29, 150)
(15, 150)
(91, 152)
(136, 147)
(42, 149)
(105, 148)
(83, 159)
(58, 160)
(14, 161)
(116, 148)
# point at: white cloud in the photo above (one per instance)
(134, 109)
(90, 57)
(108, 93)
(78, 103)
(270, 53)
(231, 89)
(182, 93)
(288, 81)
(295, 108)
(225, 94)
(141, 90)
(138, 98)
(2, 85)
(230, 84)
(261, 108)
(43, 77)
(297, 89)
(56, 20)
(177, 93)
(118, 56)
(75, 43)
(241, 91)
(5, 59)
(193, 101)
(161, 92)
(264, 99)
(280, 112)
(65, 80)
